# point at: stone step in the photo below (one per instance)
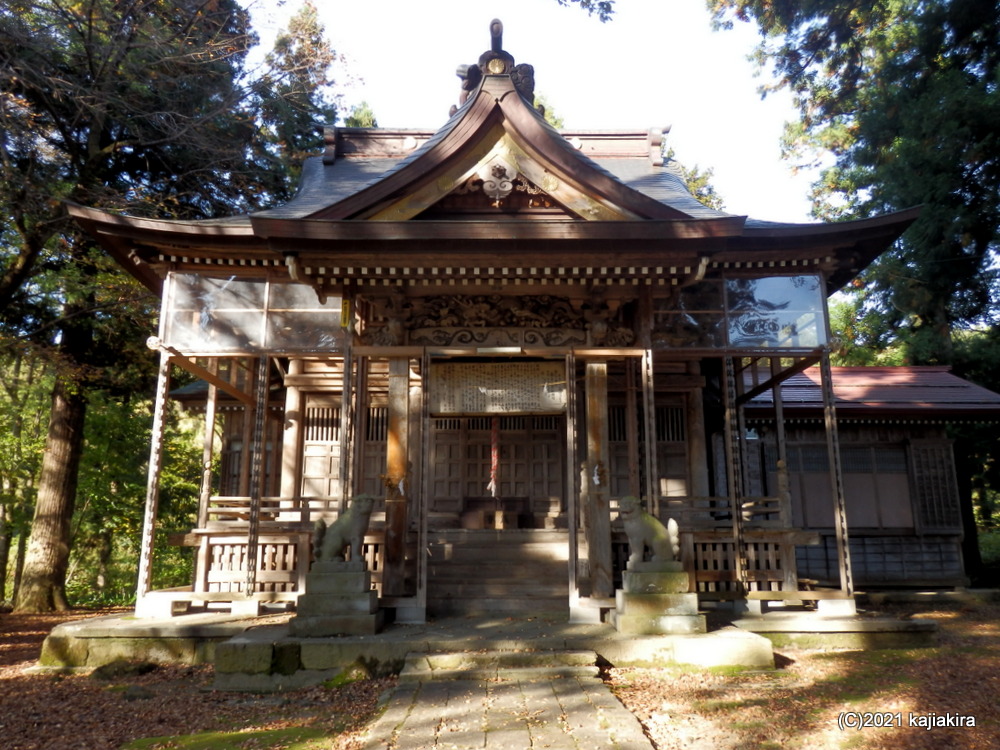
(471, 587)
(486, 572)
(501, 537)
(443, 606)
(466, 552)
(499, 665)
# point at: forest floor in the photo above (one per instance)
(796, 705)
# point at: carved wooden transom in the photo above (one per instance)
(495, 320)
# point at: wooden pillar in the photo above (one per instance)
(396, 477)
(246, 446)
(205, 498)
(345, 469)
(649, 415)
(573, 489)
(256, 457)
(836, 477)
(781, 445)
(697, 441)
(144, 584)
(632, 427)
(208, 446)
(598, 506)
(425, 486)
(734, 475)
(291, 442)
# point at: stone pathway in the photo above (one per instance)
(560, 713)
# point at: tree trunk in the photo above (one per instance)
(18, 566)
(43, 582)
(5, 539)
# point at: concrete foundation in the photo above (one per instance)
(654, 599)
(339, 600)
(263, 653)
(814, 630)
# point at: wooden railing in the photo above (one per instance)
(715, 512)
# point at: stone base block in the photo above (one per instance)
(634, 624)
(674, 566)
(655, 582)
(656, 604)
(323, 626)
(337, 566)
(311, 605)
(338, 583)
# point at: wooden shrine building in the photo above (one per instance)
(500, 329)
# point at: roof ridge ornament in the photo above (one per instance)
(496, 62)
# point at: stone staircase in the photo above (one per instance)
(488, 571)
(498, 665)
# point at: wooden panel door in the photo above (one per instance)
(531, 461)
(321, 448)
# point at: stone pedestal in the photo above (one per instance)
(338, 600)
(655, 600)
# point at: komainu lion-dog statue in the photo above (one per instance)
(329, 542)
(644, 531)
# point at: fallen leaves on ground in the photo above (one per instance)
(795, 706)
(43, 711)
(798, 705)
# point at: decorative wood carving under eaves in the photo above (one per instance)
(495, 320)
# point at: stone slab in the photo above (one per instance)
(640, 582)
(323, 626)
(726, 647)
(656, 604)
(316, 605)
(337, 566)
(345, 582)
(811, 630)
(648, 566)
(380, 658)
(245, 657)
(658, 624)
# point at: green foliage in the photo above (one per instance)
(698, 182)
(989, 548)
(111, 498)
(860, 336)
(904, 94)
(361, 116)
(148, 107)
(543, 106)
(603, 9)
(293, 95)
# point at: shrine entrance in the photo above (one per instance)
(498, 472)
(496, 462)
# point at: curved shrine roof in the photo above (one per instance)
(399, 198)
(904, 393)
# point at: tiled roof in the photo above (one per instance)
(323, 184)
(917, 392)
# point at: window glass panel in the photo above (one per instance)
(214, 330)
(207, 314)
(775, 311)
(193, 292)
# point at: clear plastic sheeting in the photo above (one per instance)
(231, 315)
(774, 312)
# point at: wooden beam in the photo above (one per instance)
(836, 478)
(397, 478)
(179, 359)
(777, 378)
(153, 484)
(598, 502)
